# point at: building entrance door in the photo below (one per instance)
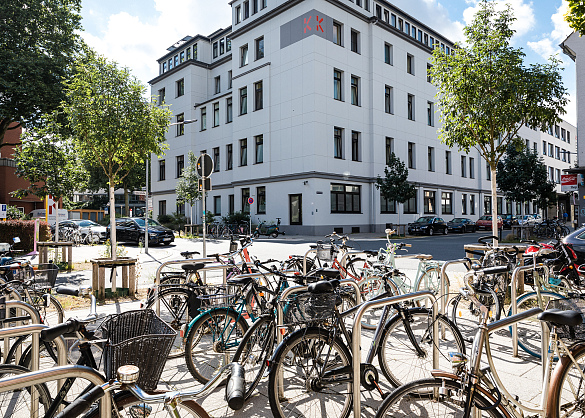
(295, 209)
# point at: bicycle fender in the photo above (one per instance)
(205, 313)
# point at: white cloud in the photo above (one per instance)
(548, 45)
(434, 15)
(523, 13)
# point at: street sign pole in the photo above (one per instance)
(203, 177)
(146, 211)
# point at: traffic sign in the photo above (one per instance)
(204, 160)
(207, 184)
(3, 211)
(250, 200)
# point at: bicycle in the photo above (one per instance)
(472, 391)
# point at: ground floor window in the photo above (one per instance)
(447, 203)
(345, 198)
(387, 205)
(410, 206)
(429, 202)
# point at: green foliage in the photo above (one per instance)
(188, 184)
(164, 219)
(47, 159)
(174, 221)
(25, 231)
(38, 42)
(394, 186)
(576, 15)
(14, 213)
(236, 218)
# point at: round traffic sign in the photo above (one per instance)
(204, 165)
(250, 200)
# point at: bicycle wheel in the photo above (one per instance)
(355, 268)
(567, 391)
(17, 403)
(370, 288)
(399, 359)
(129, 406)
(212, 341)
(50, 309)
(177, 307)
(432, 398)
(465, 315)
(529, 330)
(296, 386)
(255, 350)
(430, 279)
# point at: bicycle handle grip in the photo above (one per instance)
(66, 290)
(235, 391)
(49, 334)
(82, 404)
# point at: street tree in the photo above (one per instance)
(522, 176)
(576, 15)
(485, 92)
(394, 186)
(188, 184)
(113, 124)
(39, 41)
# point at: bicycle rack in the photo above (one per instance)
(444, 283)
(311, 251)
(357, 337)
(56, 373)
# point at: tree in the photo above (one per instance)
(113, 124)
(395, 186)
(188, 184)
(485, 93)
(576, 16)
(39, 40)
(522, 176)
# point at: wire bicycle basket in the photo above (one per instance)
(306, 307)
(326, 253)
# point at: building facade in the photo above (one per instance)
(300, 103)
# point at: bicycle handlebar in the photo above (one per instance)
(67, 327)
(82, 404)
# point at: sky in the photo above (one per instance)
(135, 33)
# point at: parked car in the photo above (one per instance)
(576, 240)
(84, 226)
(485, 222)
(529, 219)
(461, 225)
(132, 230)
(510, 220)
(428, 225)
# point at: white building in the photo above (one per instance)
(299, 103)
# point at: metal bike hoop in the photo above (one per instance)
(444, 291)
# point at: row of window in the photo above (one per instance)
(258, 51)
(565, 135)
(555, 152)
(554, 175)
(243, 10)
(183, 56)
(221, 46)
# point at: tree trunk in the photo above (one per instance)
(112, 220)
(126, 201)
(494, 206)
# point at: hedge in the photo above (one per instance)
(25, 231)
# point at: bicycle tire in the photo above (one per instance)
(177, 309)
(398, 359)
(430, 279)
(354, 268)
(205, 356)
(410, 400)
(529, 331)
(563, 401)
(50, 315)
(305, 401)
(465, 315)
(125, 400)
(254, 350)
(17, 403)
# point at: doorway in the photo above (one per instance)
(295, 209)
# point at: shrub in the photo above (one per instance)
(165, 219)
(25, 231)
(236, 218)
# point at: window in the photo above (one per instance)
(568, 137)
(409, 64)
(338, 143)
(188, 51)
(410, 206)
(164, 67)
(337, 33)
(215, 50)
(221, 46)
(231, 204)
(180, 165)
(161, 170)
(448, 162)
(430, 114)
(429, 77)
(388, 54)
(464, 204)
(557, 153)
(393, 19)
(472, 204)
(487, 204)
(426, 41)
(355, 41)
(195, 52)
(246, 9)
(345, 198)
(429, 201)
(556, 131)
(245, 204)
(564, 155)
(161, 96)
(243, 152)
(259, 149)
(387, 206)
(508, 206)
(558, 176)
(471, 168)
(254, 6)
(447, 203)
(229, 79)
(162, 207)
(228, 44)
(535, 147)
(411, 155)
(180, 207)
(258, 101)
(170, 64)
(229, 151)
(264, 3)
(463, 166)
(355, 146)
(238, 14)
(355, 88)
(260, 48)
(180, 126)
(244, 55)
(499, 205)
(243, 100)
(386, 16)
(216, 159)
(410, 108)
(217, 85)
(261, 200)
(337, 88)
(389, 148)
(216, 114)
(488, 171)
(413, 32)
(563, 134)
(420, 36)
(407, 27)
(431, 159)
(543, 147)
(217, 205)
(228, 110)
(550, 150)
(176, 60)
(180, 87)
(203, 118)
(388, 105)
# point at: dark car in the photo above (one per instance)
(132, 230)
(461, 225)
(428, 225)
(510, 220)
(576, 240)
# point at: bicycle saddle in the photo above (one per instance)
(326, 273)
(192, 267)
(559, 317)
(323, 286)
(242, 281)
